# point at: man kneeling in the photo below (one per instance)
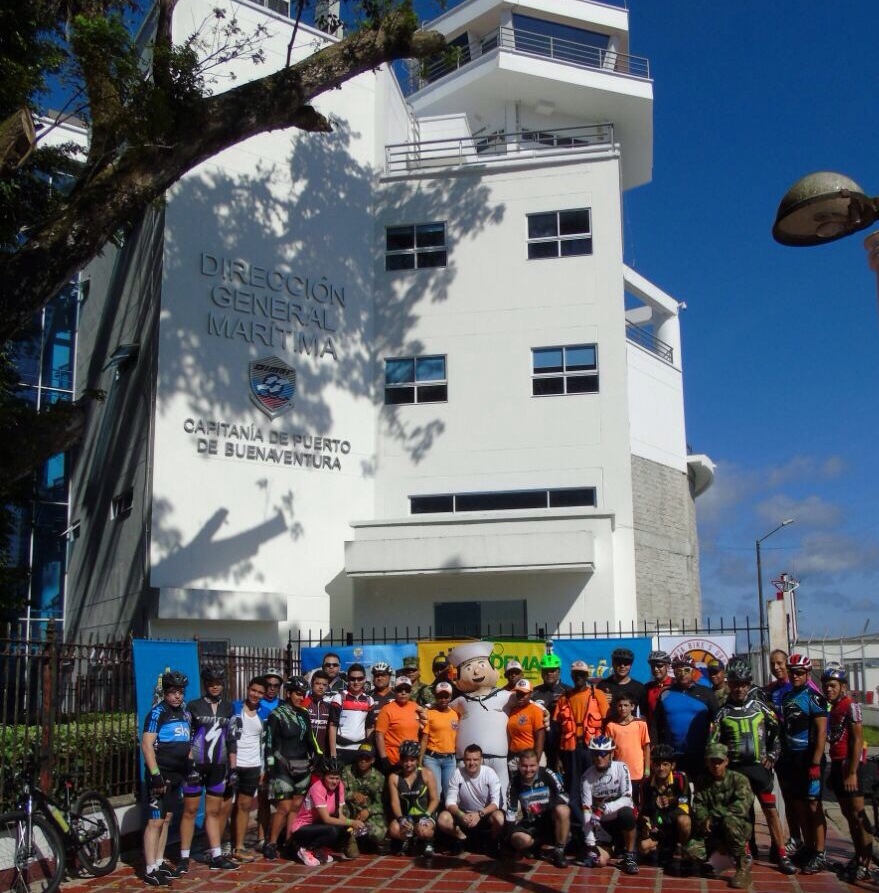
(538, 810)
(472, 803)
(664, 820)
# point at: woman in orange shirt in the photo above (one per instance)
(439, 737)
(525, 727)
(398, 721)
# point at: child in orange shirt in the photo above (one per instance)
(632, 740)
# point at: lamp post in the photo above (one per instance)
(760, 597)
(823, 207)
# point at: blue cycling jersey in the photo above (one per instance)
(173, 731)
(799, 707)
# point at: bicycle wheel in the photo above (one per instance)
(29, 863)
(94, 826)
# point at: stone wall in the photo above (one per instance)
(666, 543)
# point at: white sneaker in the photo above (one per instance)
(307, 857)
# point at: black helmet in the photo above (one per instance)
(213, 673)
(739, 670)
(331, 766)
(174, 679)
(622, 654)
(299, 684)
(662, 753)
(658, 657)
(410, 749)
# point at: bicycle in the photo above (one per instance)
(44, 836)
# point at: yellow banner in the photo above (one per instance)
(527, 653)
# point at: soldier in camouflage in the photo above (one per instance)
(721, 816)
(364, 786)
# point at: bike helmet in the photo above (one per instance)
(331, 766)
(684, 660)
(213, 673)
(550, 662)
(799, 662)
(410, 749)
(658, 657)
(174, 679)
(381, 667)
(623, 654)
(739, 670)
(299, 684)
(834, 671)
(662, 753)
(602, 743)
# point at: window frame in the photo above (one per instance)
(558, 239)
(416, 384)
(122, 505)
(416, 252)
(548, 492)
(564, 374)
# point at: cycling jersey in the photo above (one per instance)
(799, 708)
(289, 736)
(414, 797)
(683, 715)
(173, 731)
(214, 735)
(749, 730)
(608, 792)
(843, 715)
(319, 711)
(547, 694)
(535, 798)
(674, 793)
(351, 715)
(266, 707)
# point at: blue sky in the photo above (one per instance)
(781, 345)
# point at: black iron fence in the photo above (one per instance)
(71, 705)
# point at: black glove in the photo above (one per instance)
(157, 784)
(232, 781)
(193, 777)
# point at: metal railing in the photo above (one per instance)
(528, 43)
(488, 148)
(640, 336)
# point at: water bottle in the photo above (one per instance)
(59, 818)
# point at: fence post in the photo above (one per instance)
(288, 654)
(47, 708)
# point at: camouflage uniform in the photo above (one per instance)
(371, 786)
(727, 803)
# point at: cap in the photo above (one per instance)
(523, 685)
(403, 682)
(716, 751)
(410, 663)
(579, 666)
(512, 665)
(469, 651)
(715, 666)
(440, 662)
(273, 672)
(365, 750)
(683, 660)
(443, 686)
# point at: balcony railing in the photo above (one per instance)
(495, 147)
(527, 43)
(640, 336)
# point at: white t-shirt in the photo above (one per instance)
(250, 742)
(472, 793)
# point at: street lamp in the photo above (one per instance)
(823, 207)
(760, 596)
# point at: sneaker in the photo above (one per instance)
(383, 847)
(154, 879)
(243, 855)
(590, 858)
(785, 866)
(793, 846)
(306, 857)
(629, 864)
(323, 856)
(167, 869)
(707, 870)
(558, 857)
(428, 851)
(815, 865)
(183, 865)
(270, 851)
(226, 850)
(223, 863)
(351, 850)
(259, 846)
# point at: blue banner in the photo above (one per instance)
(312, 658)
(596, 653)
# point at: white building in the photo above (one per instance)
(487, 420)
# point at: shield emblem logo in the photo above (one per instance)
(272, 385)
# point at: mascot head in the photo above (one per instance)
(476, 675)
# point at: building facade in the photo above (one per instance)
(397, 377)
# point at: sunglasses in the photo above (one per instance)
(357, 678)
(798, 672)
(331, 665)
(443, 697)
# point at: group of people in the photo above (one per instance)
(665, 771)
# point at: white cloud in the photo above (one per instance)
(812, 511)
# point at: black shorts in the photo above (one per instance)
(759, 777)
(212, 781)
(793, 776)
(835, 780)
(167, 802)
(248, 780)
(541, 830)
(664, 826)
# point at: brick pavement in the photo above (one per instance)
(464, 874)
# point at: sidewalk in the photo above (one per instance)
(470, 874)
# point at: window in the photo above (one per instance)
(564, 370)
(415, 380)
(560, 234)
(415, 247)
(121, 505)
(503, 500)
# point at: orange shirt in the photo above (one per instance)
(441, 729)
(522, 725)
(397, 723)
(630, 740)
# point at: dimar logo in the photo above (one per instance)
(272, 385)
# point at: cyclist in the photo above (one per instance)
(318, 706)
(621, 681)
(845, 736)
(414, 799)
(750, 730)
(547, 694)
(273, 680)
(211, 769)
(381, 687)
(801, 766)
(351, 717)
(290, 747)
(165, 743)
(608, 808)
(664, 816)
(660, 664)
(249, 763)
